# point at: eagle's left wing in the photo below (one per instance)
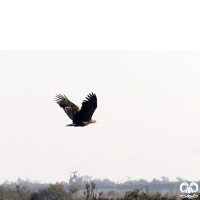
(70, 108)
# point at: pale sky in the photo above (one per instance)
(148, 115)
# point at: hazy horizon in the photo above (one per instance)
(148, 115)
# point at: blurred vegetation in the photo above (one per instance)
(57, 192)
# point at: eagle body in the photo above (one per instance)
(79, 116)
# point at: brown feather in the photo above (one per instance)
(70, 108)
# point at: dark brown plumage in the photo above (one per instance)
(80, 117)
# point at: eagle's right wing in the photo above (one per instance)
(88, 107)
(70, 108)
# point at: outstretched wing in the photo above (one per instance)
(70, 108)
(88, 107)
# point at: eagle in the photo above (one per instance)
(79, 116)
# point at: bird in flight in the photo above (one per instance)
(79, 117)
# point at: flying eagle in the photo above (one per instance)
(80, 117)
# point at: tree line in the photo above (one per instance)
(93, 190)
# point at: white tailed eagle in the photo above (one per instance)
(79, 117)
